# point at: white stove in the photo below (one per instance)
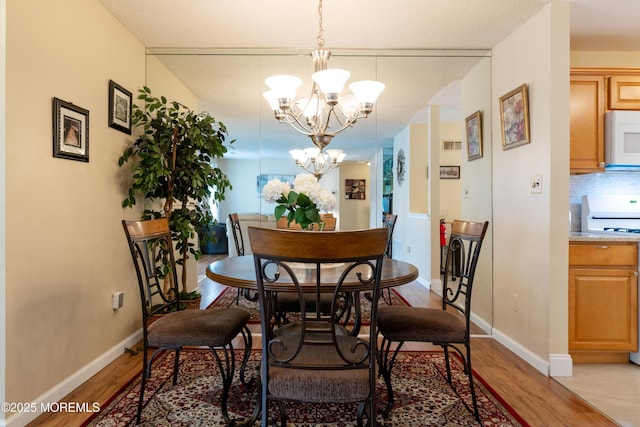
(613, 215)
(607, 214)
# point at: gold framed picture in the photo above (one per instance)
(514, 118)
(474, 135)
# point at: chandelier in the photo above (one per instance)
(325, 113)
(316, 161)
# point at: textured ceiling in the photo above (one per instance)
(230, 86)
(361, 24)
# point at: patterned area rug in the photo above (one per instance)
(228, 298)
(423, 397)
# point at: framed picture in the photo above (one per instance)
(514, 118)
(449, 172)
(263, 179)
(474, 136)
(355, 189)
(70, 131)
(119, 107)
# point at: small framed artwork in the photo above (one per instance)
(355, 189)
(474, 136)
(514, 118)
(119, 107)
(449, 172)
(70, 131)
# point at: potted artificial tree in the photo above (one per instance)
(172, 169)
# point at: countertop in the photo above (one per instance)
(596, 237)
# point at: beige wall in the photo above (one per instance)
(417, 161)
(162, 82)
(66, 252)
(450, 189)
(354, 214)
(530, 243)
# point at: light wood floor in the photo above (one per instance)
(540, 400)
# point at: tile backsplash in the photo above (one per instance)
(621, 182)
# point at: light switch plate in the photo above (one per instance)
(536, 184)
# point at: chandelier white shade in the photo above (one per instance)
(326, 111)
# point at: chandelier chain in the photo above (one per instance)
(312, 116)
(320, 38)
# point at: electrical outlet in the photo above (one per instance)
(515, 302)
(118, 300)
(536, 184)
(408, 249)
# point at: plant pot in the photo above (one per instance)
(220, 246)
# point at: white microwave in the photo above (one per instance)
(622, 138)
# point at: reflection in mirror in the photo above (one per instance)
(230, 83)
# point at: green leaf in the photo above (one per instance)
(279, 211)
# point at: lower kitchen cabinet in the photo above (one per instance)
(603, 301)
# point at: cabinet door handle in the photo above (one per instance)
(635, 274)
(602, 247)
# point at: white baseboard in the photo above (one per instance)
(434, 285)
(522, 352)
(72, 382)
(560, 365)
(482, 324)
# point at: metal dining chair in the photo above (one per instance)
(316, 359)
(447, 326)
(238, 239)
(165, 324)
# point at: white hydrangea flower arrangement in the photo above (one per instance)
(303, 202)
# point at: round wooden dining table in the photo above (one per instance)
(239, 272)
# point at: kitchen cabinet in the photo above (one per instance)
(603, 301)
(624, 92)
(586, 112)
(594, 91)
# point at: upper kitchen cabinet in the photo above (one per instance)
(587, 107)
(624, 92)
(594, 91)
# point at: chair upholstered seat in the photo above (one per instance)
(421, 324)
(319, 385)
(213, 328)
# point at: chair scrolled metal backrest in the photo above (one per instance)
(152, 252)
(447, 326)
(238, 239)
(460, 266)
(234, 221)
(166, 325)
(316, 359)
(389, 223)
